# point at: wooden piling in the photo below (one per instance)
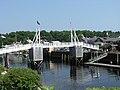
(6, 60)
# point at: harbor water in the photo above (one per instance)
(65, 77)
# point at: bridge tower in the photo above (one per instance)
(36, 52)
(76, 52)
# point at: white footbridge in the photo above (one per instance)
(36, 49)
(37, 43)
(15, 48)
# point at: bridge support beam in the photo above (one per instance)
(94, 54)
(75, 52)
(35, 57)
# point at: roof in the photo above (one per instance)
(113, 39)
(92, 40)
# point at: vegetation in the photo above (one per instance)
(22, 36)
(1, 69)
(106, 46)
(46, 88)
(103, 89)
(20, 79)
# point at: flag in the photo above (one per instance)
(3, 36)
(38, 23)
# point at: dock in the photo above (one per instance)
(103, 65)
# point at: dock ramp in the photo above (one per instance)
(101, 56)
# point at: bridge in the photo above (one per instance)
(15, 48)
(37, 43)
(36, 47)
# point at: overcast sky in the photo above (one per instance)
(57, 14)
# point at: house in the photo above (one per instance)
(112, 40)
(115, 43)
(94, 40)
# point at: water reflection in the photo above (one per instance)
(78, 77)
(114, 73)
(66, 77)
(94, 71)
(15, 61)
(73, 72)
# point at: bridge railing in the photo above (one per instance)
(12, 48)
(72, 44)
(57, 44)
(52, 44)
(90, 46)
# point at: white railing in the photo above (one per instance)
(14, 48)
(69, 44)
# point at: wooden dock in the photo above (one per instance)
(103, 65)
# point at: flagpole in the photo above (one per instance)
(39, 35)
(71, 33)
(39, 32)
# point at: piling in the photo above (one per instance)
(117, 58)
(6, 62)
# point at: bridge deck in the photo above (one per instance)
(50, 45)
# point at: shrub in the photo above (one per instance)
(1, 69)
(21, 79)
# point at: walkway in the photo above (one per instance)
(15, 48)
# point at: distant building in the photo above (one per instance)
(94, 40)
(112, 40)
(56, 42)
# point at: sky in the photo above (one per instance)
(22, 15)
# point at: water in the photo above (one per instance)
(15, 61)
(66, 77)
